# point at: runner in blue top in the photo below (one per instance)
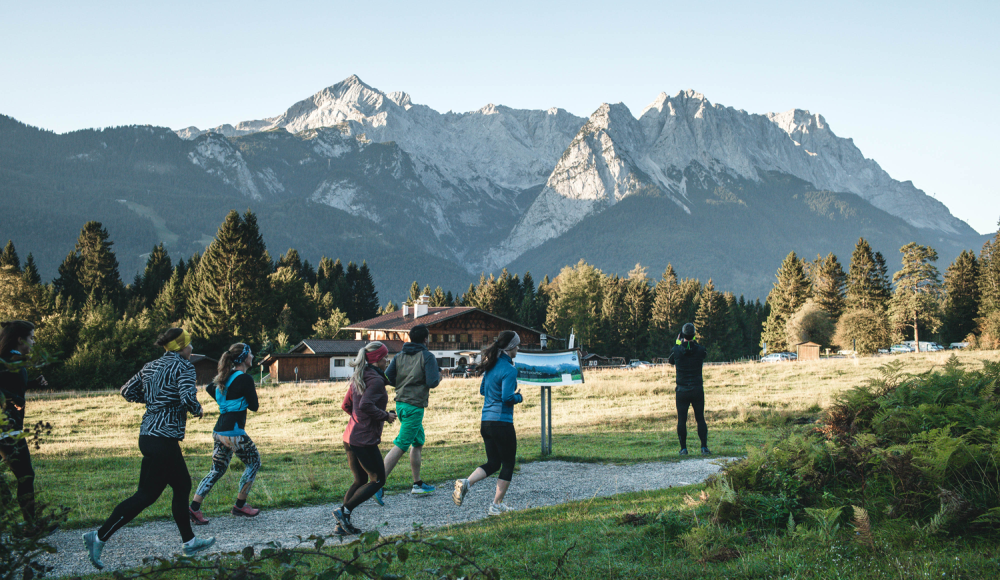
(235, 396)
(500, 394)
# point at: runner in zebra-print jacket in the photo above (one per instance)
(167, 387)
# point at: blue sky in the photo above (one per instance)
(916, 84)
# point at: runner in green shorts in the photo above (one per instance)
(414, 372)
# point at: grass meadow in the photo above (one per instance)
(90, 461)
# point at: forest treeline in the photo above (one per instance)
(101, 329)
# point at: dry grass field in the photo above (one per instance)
(90, 461)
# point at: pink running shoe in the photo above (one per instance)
(197, 518)
(246, 511)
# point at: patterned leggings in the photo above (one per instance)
(225, 446)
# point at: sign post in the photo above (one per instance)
(546, 406)
(547, 369)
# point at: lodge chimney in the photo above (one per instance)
(420, 308)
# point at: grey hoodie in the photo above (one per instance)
(414, 372)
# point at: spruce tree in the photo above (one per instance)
(414, 293)
(918, 291)
(638, 305)
(790, 291)
(9, 259)
(543, 297)
(449, 300)
(575, 303)
(365, 295)
(232, 294)
(962, 297)
(989, 277)
(689, 295)
(526, 313)
(170, 306)
(608, 337)
(711, 321)
(438, 298)
(666, 311)
(67, 283)
(30, 271)
(426, 291)
(98, 266)
(157, 272)
(469, 298)
(865, 288)
(828, 282)
(293, 307)
(308, 273)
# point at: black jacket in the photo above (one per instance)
(13, 387)
(688, 359)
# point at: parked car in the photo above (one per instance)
(775, 357)
(899, 348)
(640, 364)
(934, 347)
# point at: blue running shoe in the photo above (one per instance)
(684, 451)
(94, 549)
(380, 497)
(422, 489)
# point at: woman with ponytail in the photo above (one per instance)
(16, 339)
(167, 387)
(500, 394)
(233, 389)
(365, 402)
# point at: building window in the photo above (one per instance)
(452, 338)
(463, 338)
(338, 362)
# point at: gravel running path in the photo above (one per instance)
(536, 484)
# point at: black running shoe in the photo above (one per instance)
(705, 451)
(684, 451)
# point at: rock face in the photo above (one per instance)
(480, 171)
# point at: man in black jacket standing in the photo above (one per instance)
(687, 356)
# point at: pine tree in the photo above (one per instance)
(9, 259)
(962, 297)
(449, 300)
(293, 307)
(389, 307)
(526, 313)
(170, 306)
(157, 272)
(308, 273)
(666, 311)
(918, 291)
(232, 296)
(574, 305)
(98, 266)
(608, 337)
(469, 298)
(711, 321)
(989, 277)
(426, 291)
(67, 283)
(414, 293)
(790, 291)
(30, 271)
(638, 305)
(866, 280)
(365, 295)
(828, 282)
(438, 298)
(543, 297)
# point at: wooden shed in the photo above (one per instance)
(205, 367)
(807, 351)
(318, 360)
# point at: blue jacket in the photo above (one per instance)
(497, 388)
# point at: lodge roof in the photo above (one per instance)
(334, 347)
(396, 321)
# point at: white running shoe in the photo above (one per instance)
(497, 509)
(461, 488)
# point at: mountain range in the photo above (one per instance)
(357, 173)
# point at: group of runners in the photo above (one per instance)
(167, 387)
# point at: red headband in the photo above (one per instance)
(377, 354)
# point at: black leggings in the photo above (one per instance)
(501, 448)
(697, 402)
(369, 474)
(162, 465)
(18, 458)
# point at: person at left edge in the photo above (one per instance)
(234, 391)
(17, 337)
(167, 387)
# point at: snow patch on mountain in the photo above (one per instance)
(218, 157)
(345, 195)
